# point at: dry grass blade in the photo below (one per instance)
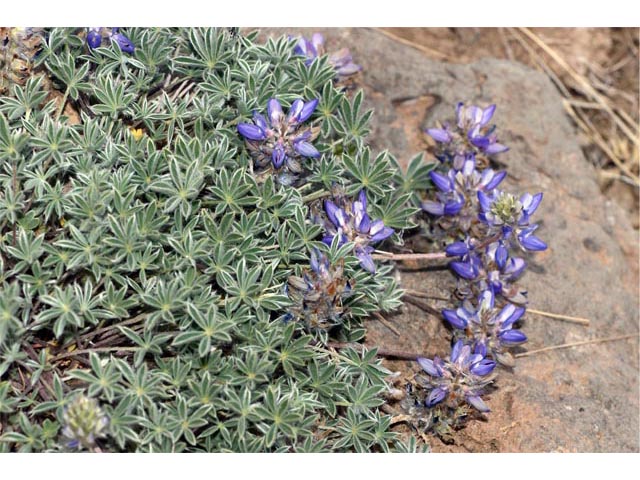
(598, 140)
(566, 318)
(386, 323)
(576, 344)
(573, 106)
(380, 255)
(409, 43)
(583, 84)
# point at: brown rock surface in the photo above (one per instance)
(582, 399)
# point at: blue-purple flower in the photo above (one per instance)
(492, 267)
(457, 194)
(471, 134)
(279, 142)
(489, 328)
(123, 42)
(462, 378)
(95, 36)
(510, 215)
(341, 60)
(350, 222)
(318, 294)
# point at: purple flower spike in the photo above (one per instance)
(280, 143)
(251, 132)
(350, 220)
(317, 296)
(341, 60)
(471, 134)
(461, 378)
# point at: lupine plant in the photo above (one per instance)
(480, 227)
(164, 284)
(188, 230)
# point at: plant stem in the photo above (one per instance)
(382, 352)
(65, 97)
(90, 350)
(576, 344)
(315, 196)
(408, 256)
(566, 318)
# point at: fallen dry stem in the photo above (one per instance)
(583, 83)
(572, 105)
(576, 344)
(386, 323)
(566, 318)
(409, 43)
(408, 256)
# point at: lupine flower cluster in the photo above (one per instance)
(489, 329)
(350, 222)
(318, 295)
(464, 377)
(471, 135)
(456, 203)
(444, 398)
(341, 60)
(96, 36)
(483, 227)
(279, 142)
(84, 423)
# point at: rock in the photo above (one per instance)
(579, 399)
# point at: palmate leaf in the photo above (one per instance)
(63, 66)
(353, 125)
(208, 48)
(372, 175)
(208, 328)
